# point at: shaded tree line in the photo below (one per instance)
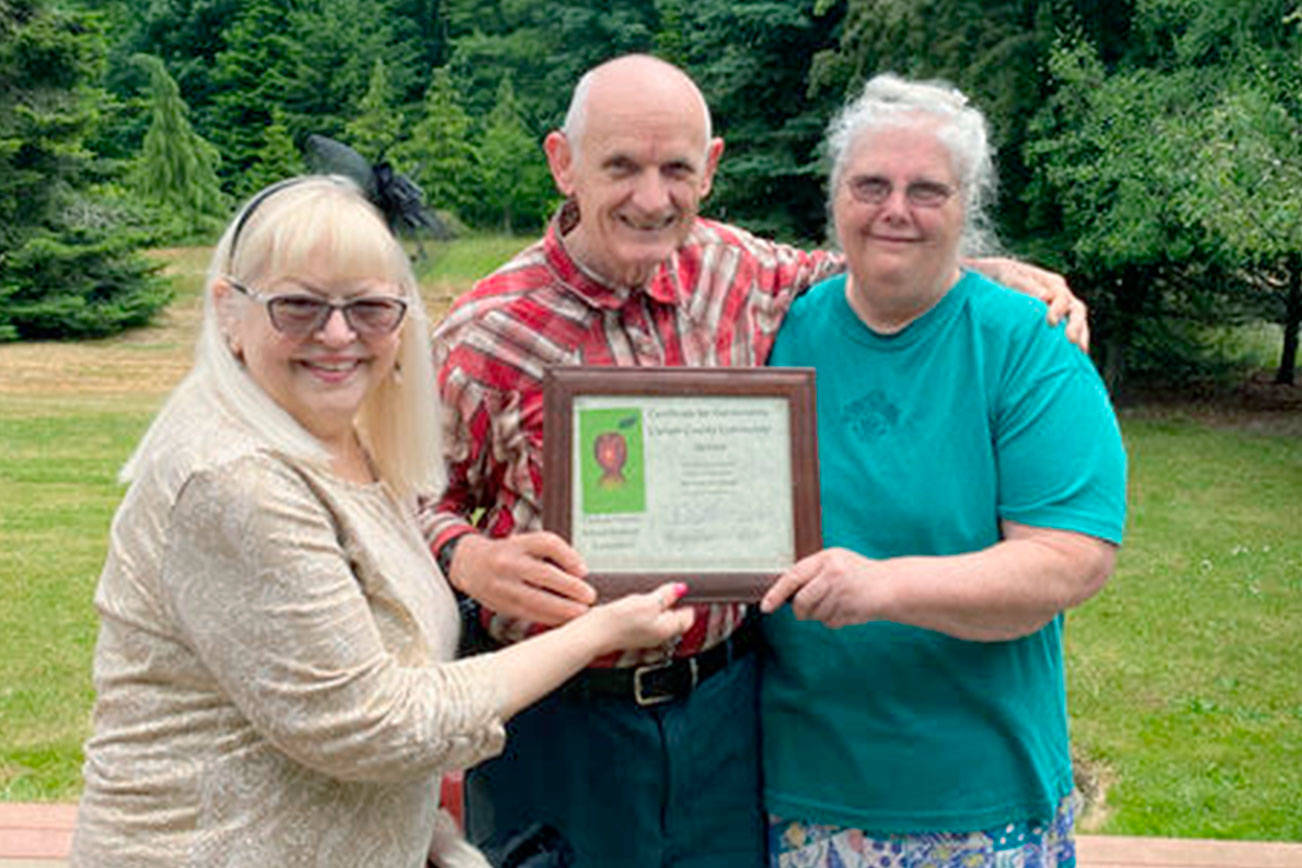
(459, 93)
(1149, 149)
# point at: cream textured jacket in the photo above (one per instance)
(272, 676)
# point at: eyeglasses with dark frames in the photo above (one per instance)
(299, 315)
(874, 190)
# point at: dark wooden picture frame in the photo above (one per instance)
(561, 386)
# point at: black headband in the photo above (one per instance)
(257, 200)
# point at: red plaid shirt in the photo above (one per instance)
(718, 301)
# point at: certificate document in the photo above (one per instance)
(673, 484)
(707, 475)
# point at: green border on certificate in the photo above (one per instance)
(611, 466)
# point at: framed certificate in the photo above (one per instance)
(702, 475)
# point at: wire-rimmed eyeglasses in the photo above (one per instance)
(299, 315)
(874, 190)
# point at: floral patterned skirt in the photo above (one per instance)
(1025, 844)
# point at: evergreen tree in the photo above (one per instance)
(517, 185)
(752, 62)
(545, 47)
(251, 76)
(65, 268)
(670, 41)
(124, 113)
(277, 159)
(420, 26)
(440, 153)
(176, 170)
(331, 62)
(187, 35)
(46, 110)
(374, 130)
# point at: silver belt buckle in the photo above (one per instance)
(640, 696)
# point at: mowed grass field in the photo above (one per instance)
(1184, 677)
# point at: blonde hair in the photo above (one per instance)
(277, 231)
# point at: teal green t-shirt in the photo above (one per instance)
(975, 412)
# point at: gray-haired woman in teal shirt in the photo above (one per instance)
(973, 487)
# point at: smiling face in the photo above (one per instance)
(639, 169)
(323, 378)
(902, 256)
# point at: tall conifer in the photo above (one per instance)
(177, 168)
(440, 153)
(251, 76)
(514, 172)
(66, 268)
(277, 159)
(377, 125)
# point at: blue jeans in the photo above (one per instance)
(628, 787)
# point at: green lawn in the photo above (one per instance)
(57, 495)
(1184, 676)
(1184, 681)
(461, 262)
